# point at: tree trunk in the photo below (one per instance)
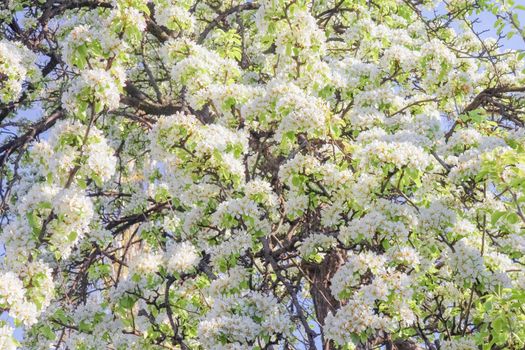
(319, 276)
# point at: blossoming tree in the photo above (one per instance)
(274, 174)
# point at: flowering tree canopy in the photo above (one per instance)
(273, 174)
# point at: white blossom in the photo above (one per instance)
(181, 257)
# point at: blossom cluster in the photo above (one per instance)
(240, 321)
(261, 174)
(17, 65)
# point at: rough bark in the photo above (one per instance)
(320, 276)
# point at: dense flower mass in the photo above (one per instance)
(17, 65)
(243, 319)
(262, 175)
(6, 338)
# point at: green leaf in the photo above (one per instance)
(72, 236)
(61, 316)
(32, 219)
(496, 216)
(127, 302)
(85, 327)
(297, 180)
(47, 332)
(512, 218)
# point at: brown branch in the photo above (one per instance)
(137, 99)
(36, 129)
(480, 99)
(222, 17)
